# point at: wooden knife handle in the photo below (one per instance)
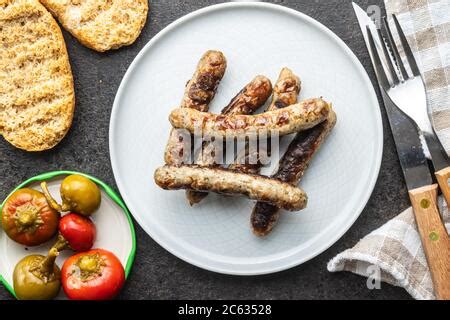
(435, 240)
(442, 177)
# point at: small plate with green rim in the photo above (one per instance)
(115, 230)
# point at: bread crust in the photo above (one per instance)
(101, 24)
(37, 98)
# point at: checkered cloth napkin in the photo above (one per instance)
(393, 253)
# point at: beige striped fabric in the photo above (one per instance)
(393, 253)
(426, 24)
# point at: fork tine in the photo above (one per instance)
(393, 46)
(379, 69)
(387, 57)
(406, 48)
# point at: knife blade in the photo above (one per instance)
(410, 151)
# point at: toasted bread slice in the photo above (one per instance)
(101, 24)
(37, 98)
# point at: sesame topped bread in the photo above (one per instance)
(101, 24)
(36, 86)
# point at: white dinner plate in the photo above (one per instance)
(256, 38)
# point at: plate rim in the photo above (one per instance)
(108, 190)
(377, 119)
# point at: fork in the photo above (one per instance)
(408, 94)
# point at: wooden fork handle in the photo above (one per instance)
(442, 177)
(435, 240)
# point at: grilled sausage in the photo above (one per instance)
(291, 168)
(220, 180)
(199, 92)
(295, 118)
(285, 93)
(250, 98)
(286, 90)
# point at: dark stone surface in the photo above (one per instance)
(157, 274)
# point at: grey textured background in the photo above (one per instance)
(156, 273)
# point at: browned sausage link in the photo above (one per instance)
(199, 92)
(286, 90)
(285, 93)
(291, 168)
(243, 165)
(295, 118)
(250, 98)
(225, 181)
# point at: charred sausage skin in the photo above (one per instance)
(285, 93)
(286, 90)
(199, 92)
(250, 98)
(291, 168)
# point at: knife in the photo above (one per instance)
(414, 164)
